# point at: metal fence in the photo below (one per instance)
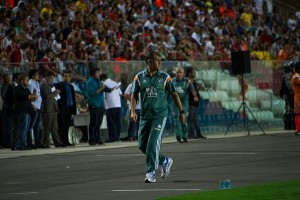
(220, 90)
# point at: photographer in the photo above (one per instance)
(287, 94)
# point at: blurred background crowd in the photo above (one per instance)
(87, 30)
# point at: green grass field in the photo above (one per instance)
(289, 190)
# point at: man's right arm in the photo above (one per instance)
(134, 99)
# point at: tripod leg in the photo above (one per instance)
(235, 115)
(254, 120)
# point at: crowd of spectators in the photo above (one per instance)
(52, 36)
(86, 30)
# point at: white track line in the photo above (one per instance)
(118, 155)
(229, 153)
(151, 190)
(24, 193)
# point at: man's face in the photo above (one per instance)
(51, 55)
(154, 64)
(67, 77)
(49, 79)
(24, 82)
(192, 74)
(97, 75)
(7, 79)
(36, 76)
(179, 74)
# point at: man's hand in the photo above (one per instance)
(182, 118)
(133, 116)
(32, 97)
(34, 108)
(100, 88)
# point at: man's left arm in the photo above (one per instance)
(193, 91)
(177, 101)
(171, 90)
(74, 109)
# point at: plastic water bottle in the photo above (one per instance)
(228, 184)
(225, 184)
(222, 184)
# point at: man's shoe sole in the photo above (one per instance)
(147, 181)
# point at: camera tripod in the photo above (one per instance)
(244, 107)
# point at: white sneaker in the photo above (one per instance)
(166, 168)
(150, 177)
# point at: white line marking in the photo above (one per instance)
(13, 183)
(24, 193)
(228, 153)
(115, 155)
(151, 190)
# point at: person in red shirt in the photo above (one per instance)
(226, 12)
(81, 58)
(14, 53)
(47, 64)
(265, 37)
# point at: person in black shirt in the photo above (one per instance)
(10, 116)
(194, 130)
(67, 107)
(4, 138)
(23, 98)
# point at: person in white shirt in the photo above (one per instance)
(56, 45)
(196, 35)
(34, 127)
(292, 22)
(112, 102)
(151, 23)
(209, 46)
(133, 126)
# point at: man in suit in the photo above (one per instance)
(66, 105)
(50, 110)
(11, 119)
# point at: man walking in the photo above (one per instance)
(154, 86)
